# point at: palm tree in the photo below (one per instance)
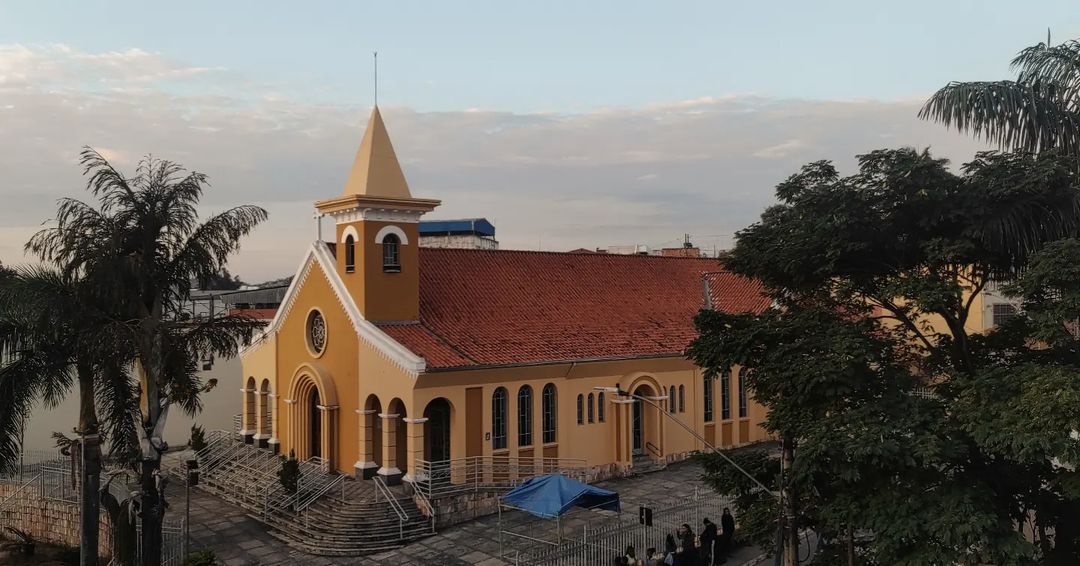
(139, 250)
(54, 335)
(1037, 111)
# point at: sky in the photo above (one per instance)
(568, 124)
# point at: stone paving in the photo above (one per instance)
(237, 539)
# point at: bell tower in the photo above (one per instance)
(376, 230)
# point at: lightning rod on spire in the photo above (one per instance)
(375, 55)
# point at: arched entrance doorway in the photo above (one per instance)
(437, 430)
(644, 439)
(313, 416)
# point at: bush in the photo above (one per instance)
(289, 473)
(198, 438)
(201, 558)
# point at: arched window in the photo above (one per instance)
(682, 399)
(600, 407)
(350, 254)
(591, 399)
(525, 416)
(725, 394)
(742, 393)
(391, 257)
(498, 419)
(550, 407)
(708, 399)
(671, 406)
(580, 409)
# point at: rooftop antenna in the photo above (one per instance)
(375, 56)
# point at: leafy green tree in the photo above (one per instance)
(139, 250)
(1036, 111)
(871, 368)
(53, 334)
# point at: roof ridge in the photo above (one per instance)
(571, 253)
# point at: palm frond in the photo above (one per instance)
(106, 182)
(205, 252)
(116, 395)
(1011, 114)
(1058, 66)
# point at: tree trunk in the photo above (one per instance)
(791, 527)
(90, 504)
(90, 453)
(850, 546)
(150, 511)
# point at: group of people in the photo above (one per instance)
(708, 548)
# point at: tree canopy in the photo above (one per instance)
(921, 439)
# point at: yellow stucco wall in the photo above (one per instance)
(335, 360)
(379, 295)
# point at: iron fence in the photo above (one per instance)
(602, 540)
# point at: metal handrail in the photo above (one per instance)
(652, 448)
(427, 505)
(380, 488)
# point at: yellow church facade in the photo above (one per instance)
(385, 358)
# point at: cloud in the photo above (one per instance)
(779, 150)
(705, 166)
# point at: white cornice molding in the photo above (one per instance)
(391, 349)
(377, 214)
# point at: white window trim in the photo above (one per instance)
(391, 229)
(350, 231)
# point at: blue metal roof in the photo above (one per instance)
(478, 226)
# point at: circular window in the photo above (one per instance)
(316, 332)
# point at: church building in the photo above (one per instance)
(389, 358)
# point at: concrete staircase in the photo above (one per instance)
(355, 525)
(339, 516)
(644, 465)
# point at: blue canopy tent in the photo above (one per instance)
(551, 495)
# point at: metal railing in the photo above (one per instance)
(425, 506)
(653, 449)
(381, 489)
(311, 486)
(482, 473)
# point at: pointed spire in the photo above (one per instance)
(376, 171)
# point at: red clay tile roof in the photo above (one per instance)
(500, 307)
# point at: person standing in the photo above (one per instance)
(708, 540)
(689, 550)
(727, 532)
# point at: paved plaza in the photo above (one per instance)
(237, 539)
